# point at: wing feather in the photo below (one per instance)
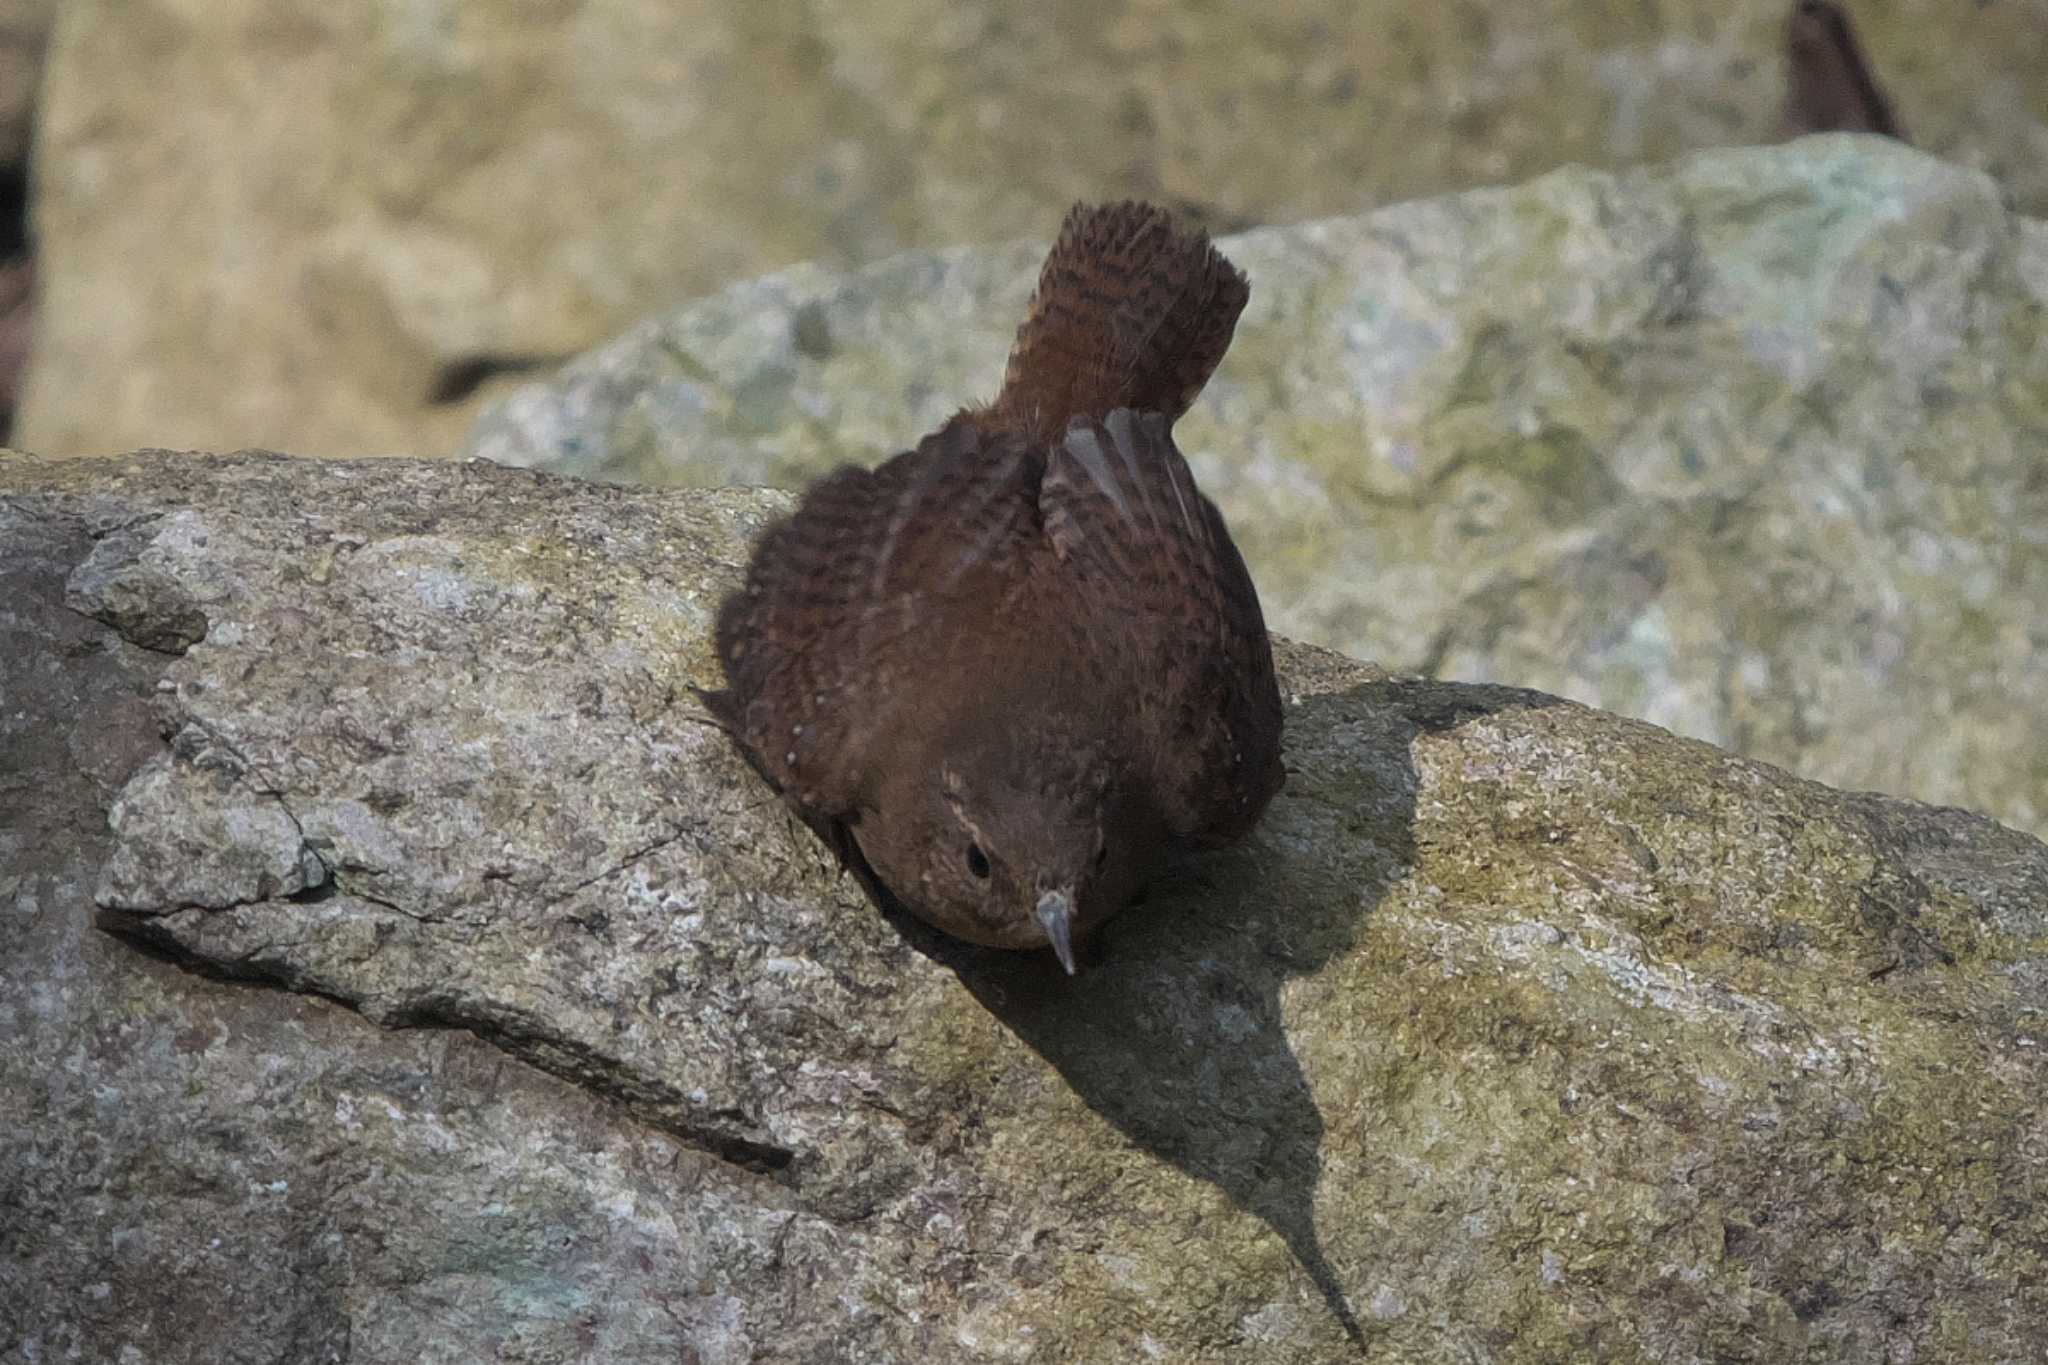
(840, 596)
(1148, 561)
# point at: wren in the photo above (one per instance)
(1007, 673)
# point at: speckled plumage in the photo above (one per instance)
(1007, 671)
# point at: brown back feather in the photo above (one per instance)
(1131, 312)
(840, 593)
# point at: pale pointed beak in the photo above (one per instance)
(1056, 913)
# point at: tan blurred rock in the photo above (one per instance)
(306, 219)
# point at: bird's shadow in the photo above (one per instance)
(1174, 1031)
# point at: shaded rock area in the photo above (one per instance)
(400, 967)
(24, 37)
(464, 192)
(1752, 447)
(24, 34)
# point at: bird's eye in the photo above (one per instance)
(977, 862)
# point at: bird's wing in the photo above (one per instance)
(1148, 568)
(842, 600)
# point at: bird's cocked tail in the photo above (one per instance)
(1131, 312)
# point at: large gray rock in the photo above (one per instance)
(1518, 1030)
(1750, 447)
(295, 222)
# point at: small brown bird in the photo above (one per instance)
(1008, 671)
(1832, 88)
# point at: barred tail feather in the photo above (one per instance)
(1131, 312)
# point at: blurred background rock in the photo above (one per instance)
(332, 228)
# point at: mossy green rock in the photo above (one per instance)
(1518, 1031)
(1751, 447)
(314, 225)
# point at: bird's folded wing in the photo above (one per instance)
(844, 596)
(1149, 568)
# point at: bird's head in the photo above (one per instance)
(1019, 834)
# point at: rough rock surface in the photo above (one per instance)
(1519, 1031)
(460, 187)
(1751, 447)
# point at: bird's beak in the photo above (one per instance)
(1056, 913)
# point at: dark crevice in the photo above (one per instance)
(460, 379)
(98, 533)
(170, 636)
(622, 864)
(17, 289)
(313, 895)
(647, 1100)
(355, 892)
(759, 1157)
(138, 931)
(14, 224)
